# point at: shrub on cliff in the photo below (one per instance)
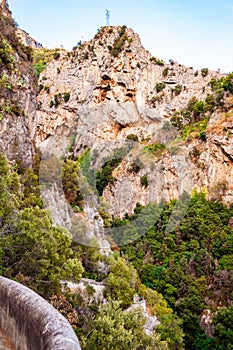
(119, 330)
(33, 250)
(119, 42)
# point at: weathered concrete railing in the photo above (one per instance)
(30, 322)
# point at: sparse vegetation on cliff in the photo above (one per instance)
(41, 57)
(104, 176)
(194, 118)
(119, 42)
(156, 61)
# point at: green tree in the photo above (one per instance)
(170, 328)
(9, 195)
(223, 328)
(70, 181)
(121, 282)
(121, 330)
(40, 252)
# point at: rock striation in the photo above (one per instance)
(116, 89)
(112, 97)
(17, 94)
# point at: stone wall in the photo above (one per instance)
(31, 322)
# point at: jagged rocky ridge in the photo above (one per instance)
(121, 97)
(111, 97)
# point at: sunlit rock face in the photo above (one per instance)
(17, 94)
(110, 96)
(5, 8)
(114, 95)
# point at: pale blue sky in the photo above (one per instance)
(196, 33)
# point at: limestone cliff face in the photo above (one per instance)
(111, 88)
(27, 40)
(111, 96)
(17, 93)
(5, 8)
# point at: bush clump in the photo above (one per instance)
(104, 176)
(144, 181)
(159, 87)
(155, 148)
(165, 72)
(56, 55)
(66, 97)
(119, 42)
(204, 72)
(177, 89)
(132, 137)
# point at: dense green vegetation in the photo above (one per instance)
(41, 57)
(223, 328)
(119, 330)
(39, 255)
(190, 263)
(97, 325)
(32, 250)
(119, 42)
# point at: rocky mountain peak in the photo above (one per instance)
(27, 40)
(110, 94)
(5, 8)
(115, 135)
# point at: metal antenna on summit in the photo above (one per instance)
(107, 17)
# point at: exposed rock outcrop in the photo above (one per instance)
(27, 40)
(110, 95)
(5, 8)
(115, 93)
(17, 94)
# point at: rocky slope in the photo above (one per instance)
(17, 93)
(110, 95)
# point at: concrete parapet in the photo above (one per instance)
(30, 322)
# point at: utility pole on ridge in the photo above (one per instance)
(107, 17)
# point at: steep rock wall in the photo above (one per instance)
(112, 96)
(17, 94)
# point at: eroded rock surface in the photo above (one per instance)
(112, 96)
